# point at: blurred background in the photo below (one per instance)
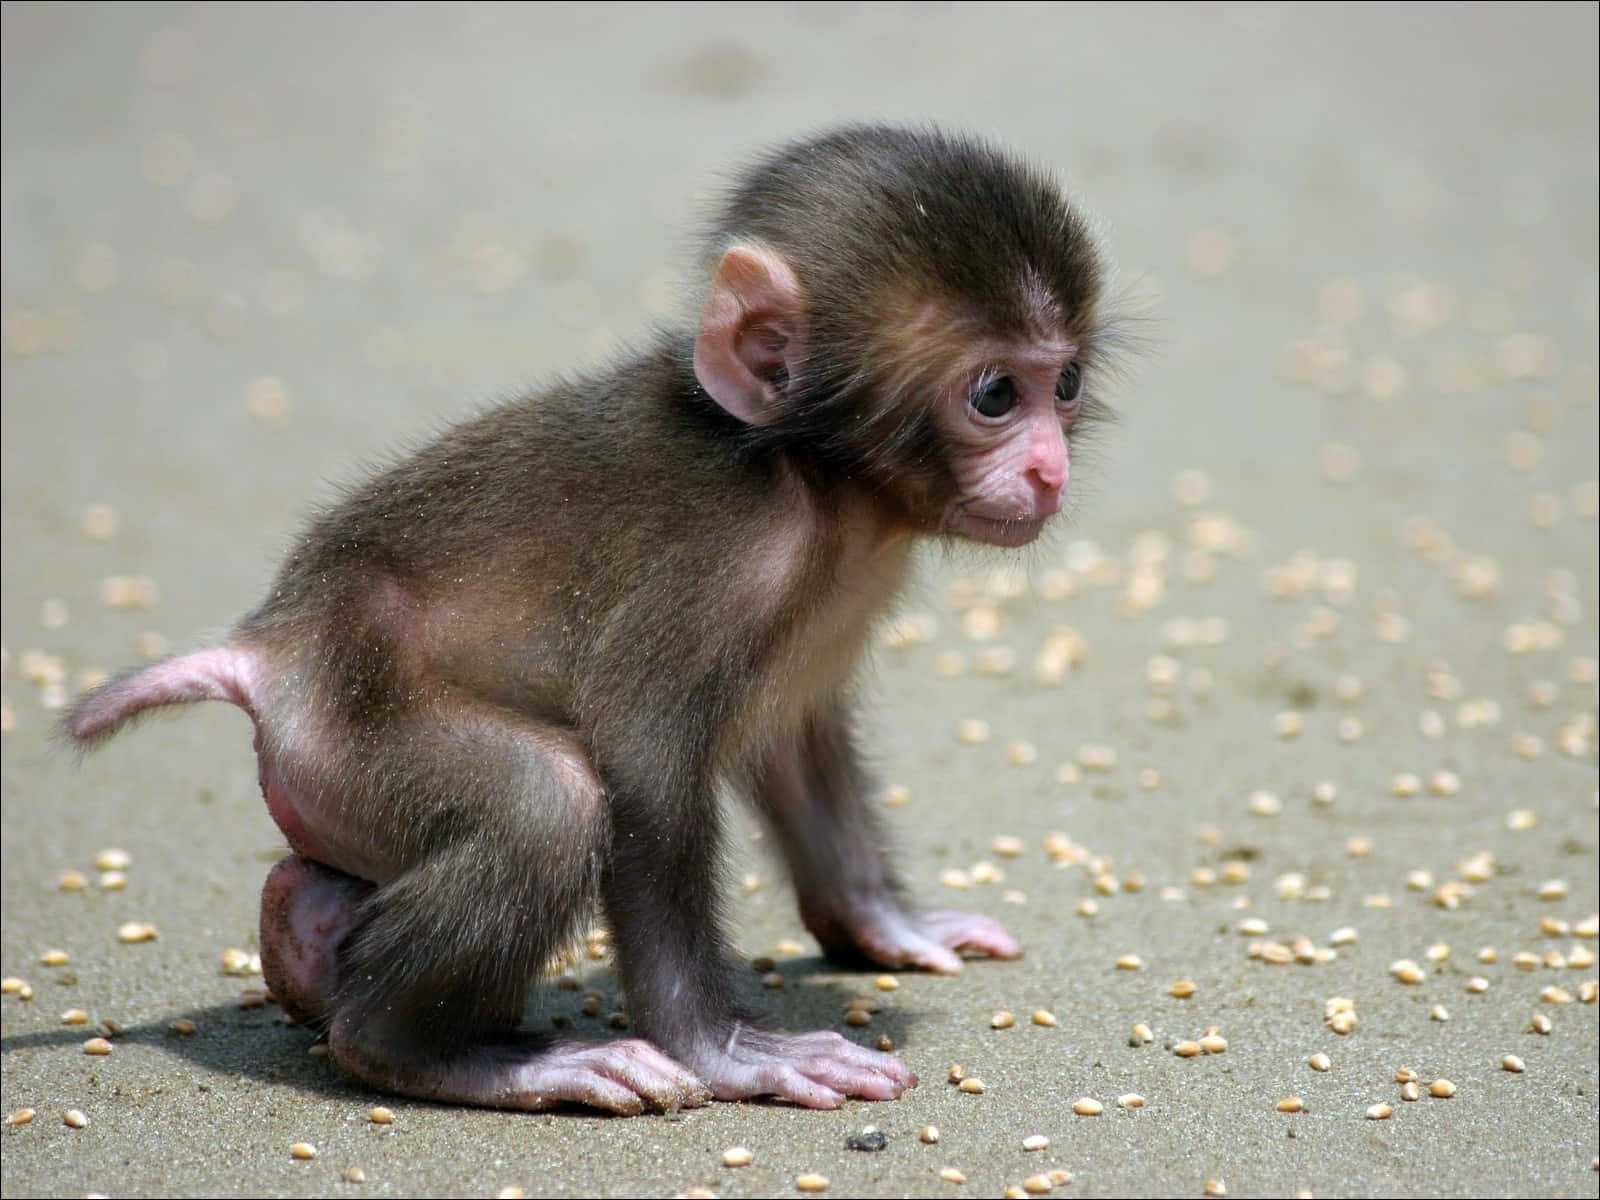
(1343, 531)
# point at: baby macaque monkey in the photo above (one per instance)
(505, 678)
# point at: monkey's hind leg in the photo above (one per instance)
(306, 911)
(505, 825)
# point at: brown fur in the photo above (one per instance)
(502, 680)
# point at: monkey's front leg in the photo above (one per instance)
(811, 788)
(663, 912)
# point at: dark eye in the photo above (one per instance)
(1068, 385)
(995, 398)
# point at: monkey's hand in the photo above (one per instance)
(892, 936)
(817, 1070)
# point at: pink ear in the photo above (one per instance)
(752, 333)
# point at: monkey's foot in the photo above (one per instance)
(626, 1077)
(817, 1070)
(933, 940)
(306, 910)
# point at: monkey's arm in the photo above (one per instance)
(812, 789)
(663, 913)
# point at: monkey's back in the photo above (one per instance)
(456, 567)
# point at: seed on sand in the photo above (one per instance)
(1442, 1088)
(1291, 1104)
(74, 1118)
(737, 1156)
(302, 1150)
(811, 1182)
(1088, 1107)
(1380, 1112)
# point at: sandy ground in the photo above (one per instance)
(1352, 493)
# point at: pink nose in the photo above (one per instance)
(1047, 466)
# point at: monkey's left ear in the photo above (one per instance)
(752, 333)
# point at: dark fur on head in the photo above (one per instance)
(931, 217)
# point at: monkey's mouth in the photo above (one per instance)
(997, 531)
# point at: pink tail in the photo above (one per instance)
(226, 673)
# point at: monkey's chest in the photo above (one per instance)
(822, 648)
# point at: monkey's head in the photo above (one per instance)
(918, 312)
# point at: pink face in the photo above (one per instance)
(1007, 428)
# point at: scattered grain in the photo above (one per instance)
(1405, 784)
(972, 731)
(302, 1150)
(811, 1182)
(97, 1046)
(738, 1156)
(929, 1135)
(1380, 1112)
(1442, 1088)
(1512, 1063)
(380, 1115)
(1291, 1104)
(74, 1118)
(1319, 1062)
(1035, 1141)
(1406, 971)
(1088, 1107)
(113, 860)
(951, 1175)
(971, 1086)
